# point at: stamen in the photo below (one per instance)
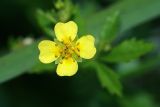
(61, 62)
(70, 39)
(56, 44)
(74, 61)
(66, 57)
(77, 44)
(78, 49)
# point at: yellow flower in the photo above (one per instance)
(65, 50)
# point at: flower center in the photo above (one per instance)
(68, 50)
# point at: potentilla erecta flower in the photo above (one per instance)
(66, 50)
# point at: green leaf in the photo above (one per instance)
(43, 68)
(128, 50)
(137, 68)
(111, 27)
(45, 21)
(133, 13)
(110, 30)
(18, 62)
(130, 17)
(109, 79)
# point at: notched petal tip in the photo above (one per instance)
(87, 47)
(48, 51)
(66, 31)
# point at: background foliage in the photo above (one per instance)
(124, 73)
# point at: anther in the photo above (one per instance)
(74, 61)
(78, 49)
(66, 57)
(61, 62)
(56, 56)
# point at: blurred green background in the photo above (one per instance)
(124, 73)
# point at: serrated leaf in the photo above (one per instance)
(130, 17)
(128, 50)
(109, 79)
(111, 27)
(46, 21)
(139, 68)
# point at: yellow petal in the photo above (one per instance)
(49, 52)
(68, 67)
(66, 31)
(86, 47)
